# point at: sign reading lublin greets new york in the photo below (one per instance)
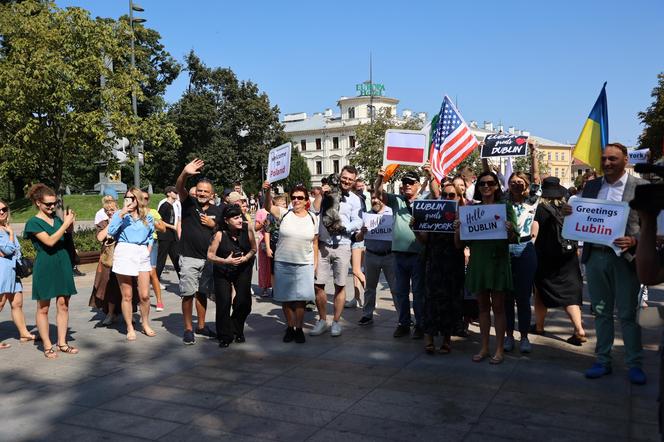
(504, 145)
(434, 216)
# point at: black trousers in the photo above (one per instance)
(230, 325)
(167, 248)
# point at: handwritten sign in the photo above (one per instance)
(596, 221)
(483, 221)
(434, 216)
(379, 226)
(504, 145)
(638, 156)
(278, 166)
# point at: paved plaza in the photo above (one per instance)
(362, 386)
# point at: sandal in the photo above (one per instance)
(445, 349)
(4, 346)
(479, 357)
(496, 360)
(30, 338)
(66, 348)
(149, 333)
(577, 340)
(533, 330)
(50, 353)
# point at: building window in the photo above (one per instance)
(562, 156)
(319, 167)
(549, 156)
(351, 112)
(319, 144)
(371, 111)
(557, 157)
(335, 143)
(303, 143)
(351, 141)
(335, 166)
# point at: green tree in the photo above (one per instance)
(53, 110)
(228, 123)
(653, 120)
(367, 155)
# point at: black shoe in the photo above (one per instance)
(418, 333)
(239, 339)
(401, 331)
(365, 320)
(77, 272)
(206, 332)
(188, 338)
(289, 335)
(299, 336)
(224, 344)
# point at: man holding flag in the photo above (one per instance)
(611, 279)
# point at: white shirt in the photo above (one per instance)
(296, 236)
(613, 192)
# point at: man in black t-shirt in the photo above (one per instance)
(168, 239)
(199, 216)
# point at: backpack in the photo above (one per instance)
(566, 247)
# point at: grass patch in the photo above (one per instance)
(85, 206)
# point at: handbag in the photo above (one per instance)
(23, 267)
(648, 316)
(107, 252)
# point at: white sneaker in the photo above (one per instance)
(162, 286)
(108, 320)
(351, 303)
(319, 328)
(335, 330)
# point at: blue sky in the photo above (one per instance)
(533, 64)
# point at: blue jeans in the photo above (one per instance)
(409, 267)
(524, 265)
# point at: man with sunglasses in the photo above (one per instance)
(409, 269)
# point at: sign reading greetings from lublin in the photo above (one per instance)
(483, 221)
(434, 215)
(596, 221)
(278, 163)
(504, 145)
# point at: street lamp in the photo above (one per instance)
(135, 8)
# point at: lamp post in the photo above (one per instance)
(135, 8)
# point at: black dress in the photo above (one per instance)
(443, 299)
(558, 278)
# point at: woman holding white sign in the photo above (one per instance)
(444, 270)
(489, 271)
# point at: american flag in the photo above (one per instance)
(451, 142)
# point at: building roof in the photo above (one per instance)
(315, 122)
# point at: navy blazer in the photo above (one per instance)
(591, 190)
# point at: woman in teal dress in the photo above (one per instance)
(52, 275)
(489, 272)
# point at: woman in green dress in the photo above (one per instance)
(52, 275)
(489, 272)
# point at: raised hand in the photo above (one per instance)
(194, 168)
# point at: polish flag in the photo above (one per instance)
(405, 147)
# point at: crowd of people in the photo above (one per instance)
(214, 243)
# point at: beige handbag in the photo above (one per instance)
(107, 251)
(650, 316)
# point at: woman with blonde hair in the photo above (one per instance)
(10, 286)
(133, 229)
(52, 275)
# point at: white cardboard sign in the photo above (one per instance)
(483, 221)
(407, 147)
(596, 221)
(379, 226)
(638, 156)
(278, 164)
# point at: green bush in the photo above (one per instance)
(85, 240)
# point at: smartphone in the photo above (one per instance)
(66, 210)
(237, 254)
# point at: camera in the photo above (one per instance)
(649, 197)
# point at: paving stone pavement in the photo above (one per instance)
(362, 386)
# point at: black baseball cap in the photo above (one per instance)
(411, 177)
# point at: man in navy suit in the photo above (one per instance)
(612, 280)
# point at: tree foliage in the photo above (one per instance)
(367, 155)
(653, 120)
(226, 122)
(53, 110)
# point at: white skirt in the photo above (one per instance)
(129, 259)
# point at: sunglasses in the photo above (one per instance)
(299, 197)
(450, 196)
(487, 183)
(4, 210)
(49, 204)
(408, 182)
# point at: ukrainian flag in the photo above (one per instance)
(595, 134)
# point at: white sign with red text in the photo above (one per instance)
(278, 163)
(596, 221)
